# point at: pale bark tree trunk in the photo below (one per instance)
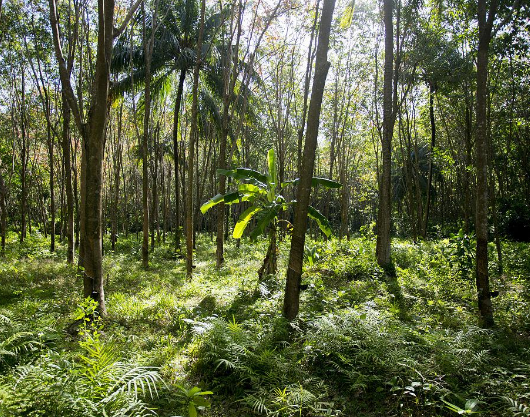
(176, 156)
(230, 73)
(270, 263)
(191, 153)
(307, 81)
(117, 164)
(155, 230)
(3, 212)
(148, 54)
(384, 213)
(431, 157)
(68, 181)
(294, 271)
(93, 143)
(485, 23)
(52, 185)
(24, 163)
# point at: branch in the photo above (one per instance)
(63, 72)
(132, 10)
(515, 7)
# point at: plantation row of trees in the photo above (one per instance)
(115, 117)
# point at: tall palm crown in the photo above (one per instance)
(174, 46)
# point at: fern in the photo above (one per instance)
(517, 408)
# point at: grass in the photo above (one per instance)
(363, 345)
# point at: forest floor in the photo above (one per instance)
(363, 345)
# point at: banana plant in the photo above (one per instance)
(264, 193)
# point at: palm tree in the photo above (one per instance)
(174, 51)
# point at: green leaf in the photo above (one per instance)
(245, 174)
(201, 402)
(232, 197)
(325, 182)
(243, 221)
(295, 181)
(322, 222)
(271, 161)
(347, 16)
(472, 405)
(212, 202)
(269, 215)
(192, 411)
(227, 198)
(315, 181)
(251, 189)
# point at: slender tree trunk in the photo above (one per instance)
(23, 166)
(156, 226)
(467, 174)
(52, 185)
(3, 212)
(270, 263)
(191, 153)
(219, 252)
(384, 213)
(68, 182)
(481, 221)
(164, 197)
(77, 219)
(148, 53)
(176, 158)
(307, 81)
(431, 157)
(294, 271)
(117, 157)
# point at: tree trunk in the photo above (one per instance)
(294, 272)
(431, 157)
(219, 252)
(270, 263)
(68, 182)
(148, 53)
(23, 165)
(176, 158)
(307, 81)
(191, 153)
(3, 212)
(93, 145)
(117, 160)
(481, 220)
(52, 187)
(384, 212)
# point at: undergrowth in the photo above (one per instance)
(364, 344)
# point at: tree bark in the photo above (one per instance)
(148, 52)
(93, 143)
(176, 157)
(384, 212)
(291, 300)
(485, 24)
(307, 80)
(68, 182)
(191, 152)
(3, 212)
(431, 157)
(23, 165)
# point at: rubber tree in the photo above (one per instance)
(485, 24)
(294, 271)
(191, 149)
(385, 196)
(92, 127)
